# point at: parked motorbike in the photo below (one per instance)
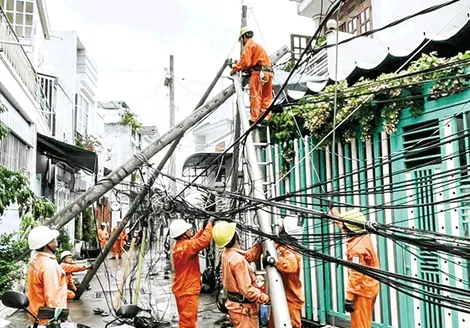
(17, 300)
(131, 315)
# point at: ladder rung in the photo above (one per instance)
(261, 144)
(264, 163)
(267, 183)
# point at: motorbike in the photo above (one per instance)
(128, 315)
(17, 300)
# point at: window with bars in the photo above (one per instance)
(14, 153)
(355, 17)
(20, 15)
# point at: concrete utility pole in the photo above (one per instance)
(236, 148)
(95, 192)
(135, 204)
(172, 122)
(277, 294)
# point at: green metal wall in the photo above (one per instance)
(401, 169)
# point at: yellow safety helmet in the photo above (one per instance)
(355, 215)
(223, 232)
(243, 31)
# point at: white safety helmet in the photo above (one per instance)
(179, 227)
(41, 236)
(64, 254)
(291, 226)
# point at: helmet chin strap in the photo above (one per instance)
(50, 248)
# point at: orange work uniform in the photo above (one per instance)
(289, 265)
(47, 285)
(238, 278)
(69, 269)
(362, 289)
(187, 279)
(261, 89)
(119, 244)
(103, 237)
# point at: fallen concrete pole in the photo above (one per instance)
(65, 215)
(137, 200)
(277, 293)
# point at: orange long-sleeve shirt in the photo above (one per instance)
(253, 54)
(103, 237)
(238, 277)
(69, 269)
(360, 250)
(187, 279)
(47, 284)
(288, 265)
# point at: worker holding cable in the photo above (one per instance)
(362, 290)
(255, 60)
(187, 278)
(288, 264)
(66, 263)
(238, 278)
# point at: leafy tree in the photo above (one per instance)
(14, 189)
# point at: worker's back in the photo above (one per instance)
(47, 284)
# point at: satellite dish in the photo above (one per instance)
(115, 206)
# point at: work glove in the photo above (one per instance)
(210, 220)
(349, 306)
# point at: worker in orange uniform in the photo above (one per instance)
(238, 278)
(119, 244)
(362, 290)
(47, 286)
(255, 60)
(289, 265)
(187, 278)
(69, 268)
(103, 235)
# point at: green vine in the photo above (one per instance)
(370, 104)
(130, 118)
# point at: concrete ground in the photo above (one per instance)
(155, 294)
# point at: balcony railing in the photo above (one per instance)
(17, 57)
(318, 65)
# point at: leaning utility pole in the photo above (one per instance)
(171, 86)
(69, 212)
(277, 294)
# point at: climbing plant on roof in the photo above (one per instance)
(128, 117)
(371, 104)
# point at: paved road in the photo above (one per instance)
(155, 294)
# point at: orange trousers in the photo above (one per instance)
(117, 249)
(70, 294)
(295, 318)
(243, 320)
(261, 94)
(362, 315)
(187, 310)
